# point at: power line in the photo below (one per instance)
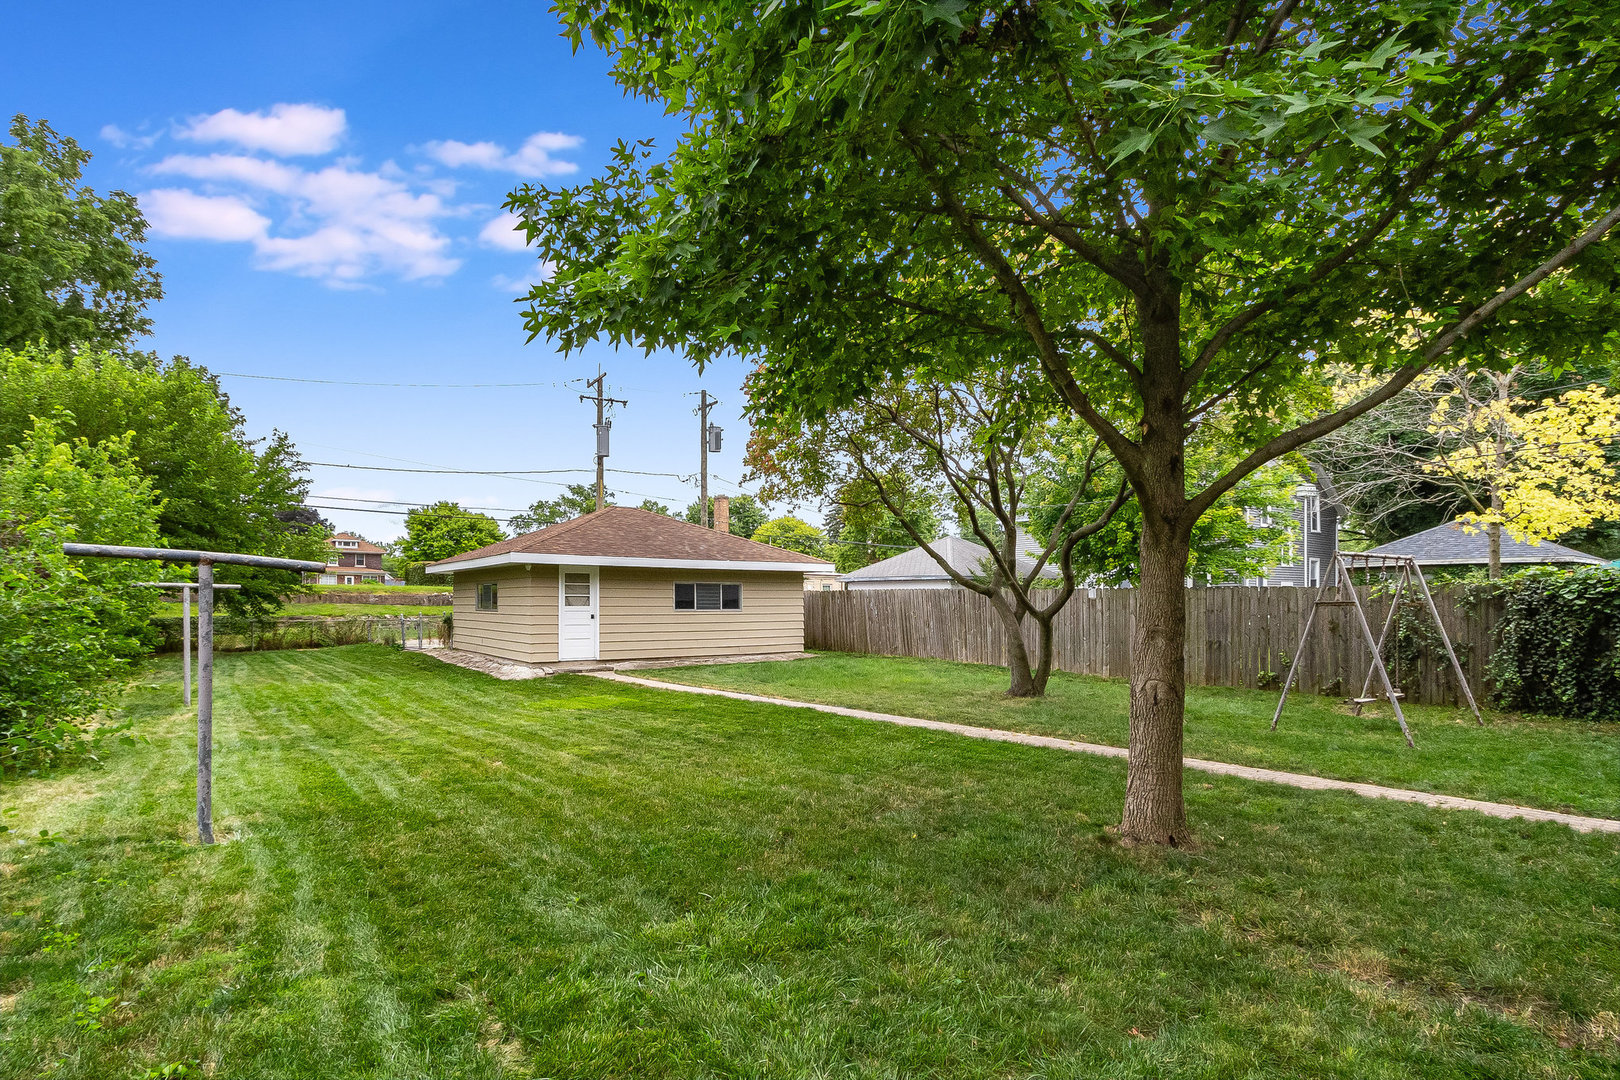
(407, 502)
(402, 386)
(452, 472)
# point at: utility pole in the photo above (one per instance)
(603, 425)
(706, 435)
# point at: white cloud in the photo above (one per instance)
(533, 158)
(502, 232)
(126, 139)
(522, 284)
(339, 223)
(186, 215)
(284, 130)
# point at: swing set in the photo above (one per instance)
(1405, 572)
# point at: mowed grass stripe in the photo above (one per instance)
(1561, 765)
(646, 885)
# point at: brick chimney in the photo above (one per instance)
(722, 514)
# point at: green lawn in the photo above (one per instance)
(1571, 765)
(403, 591)
(431, 873)
(332, 611)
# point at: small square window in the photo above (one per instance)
(488, 596)
(731, 598)
(685, 596)
(334, 560)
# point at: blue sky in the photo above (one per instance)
(323, 184)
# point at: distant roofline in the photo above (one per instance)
(531, 558)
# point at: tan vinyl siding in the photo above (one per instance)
(525, 626)
(639, 620)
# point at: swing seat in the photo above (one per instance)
(1370, 700)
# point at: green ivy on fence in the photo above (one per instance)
(1558, 643)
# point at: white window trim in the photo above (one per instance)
(1313, 513)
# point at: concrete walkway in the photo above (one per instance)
(1218, 768)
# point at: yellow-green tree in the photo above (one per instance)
(1498, 453)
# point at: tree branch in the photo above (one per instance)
(1293, 440)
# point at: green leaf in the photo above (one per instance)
(1135, 141)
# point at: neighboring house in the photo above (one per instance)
(1313, 538)
(1453, 545)
(823, 583)
(352, 561)
(626, 584)
(916, 569)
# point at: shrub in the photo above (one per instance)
(66, 625)
(1558, 647)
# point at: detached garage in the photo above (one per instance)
(626, 584)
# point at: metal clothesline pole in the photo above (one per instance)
(205, 562)
(185, 588)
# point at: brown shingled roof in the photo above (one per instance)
(623, 532)
(365, 547)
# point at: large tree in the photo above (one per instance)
(66, 625)
(576, 501)
(445, 529)
(981, 446)
(222, 490)
(1176, 210)
(745, 512)
(1497, 450)
(73, 273)
(792, 534)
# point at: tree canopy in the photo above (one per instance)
(445, 529)
(1505, 450)
(792, 534)
(577, 500)
(73, 273)
(746, 515)
(221, 489)
(66, 625)
(1176, 212)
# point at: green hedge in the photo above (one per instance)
(1558, 643)
(242, 634)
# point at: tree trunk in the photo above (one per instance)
(1493, 533)
(1042, 672)
(1021, 678)
(1154, 811)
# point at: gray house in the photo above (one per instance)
(916, 569)
(1453, 545)
(1313, 538)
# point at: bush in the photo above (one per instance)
(1558, 647)
(66, 625)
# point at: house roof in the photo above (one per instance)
(365, 547)
(625, 536)
(965, 557)
(1453, 545)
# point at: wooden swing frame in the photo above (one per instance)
(1410, 574)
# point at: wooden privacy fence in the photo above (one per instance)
(1237, 636)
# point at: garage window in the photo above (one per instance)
(707, 596)
(488, 595)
